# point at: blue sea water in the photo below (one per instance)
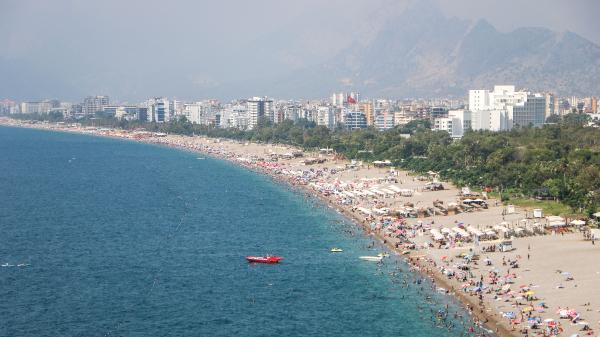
(104, 237)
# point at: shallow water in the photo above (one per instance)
(116, 238)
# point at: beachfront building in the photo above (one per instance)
(532, 111)
(355, 120)
(128, 112)
(456, 123)
(292, 111)
(8, 107)
(338, 99)
(199, 113)
(491, 120)
(42, 107)
(93, 104)
(503, 108)
(384, 120)
(438, 112)
(404, 116)
(367, 109)
(259, 107)
(325, 117)
(234, 116)
(158, 110)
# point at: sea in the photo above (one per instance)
(108, 237)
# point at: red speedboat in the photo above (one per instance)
(264, 259)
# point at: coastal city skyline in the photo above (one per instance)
(498, 109)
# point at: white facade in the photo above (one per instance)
(457, 122)
(325, 117)
(35, 107)
(385, 120)
(259, 107)
(158, 110)
(199, 113)
(234, 116)
(493, 110)
(492, 120)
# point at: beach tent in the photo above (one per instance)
(381, 211)
(406, 192)
(475, 231)
(437, 236)
(519, 231)
(500, 228)
(461, 232)
(367, 192)
(364, 210)
(377, 192)
(491, 234)
(577, 222)
(395, 188)
(385, 190)
(555, 221)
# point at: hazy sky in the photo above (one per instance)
(192, 49)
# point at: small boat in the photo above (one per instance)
(336, 250)
(264, 259)
(383, 254)
(371, 258)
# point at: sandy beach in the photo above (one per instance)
(543, 284)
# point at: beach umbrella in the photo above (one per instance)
(509, 315)
(548, 320)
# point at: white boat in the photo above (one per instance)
(371, 258)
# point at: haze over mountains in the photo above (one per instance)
(422, 53)
(381, 48)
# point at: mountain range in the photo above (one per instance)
(381, 48)
(422, 53)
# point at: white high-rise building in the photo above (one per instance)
(259, 107)
(499, 99)
(457, 122)
(234, 116)
(503, 108)
(158, 110)
(199, 113)
(326, 117)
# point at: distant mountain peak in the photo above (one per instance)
(422, 53)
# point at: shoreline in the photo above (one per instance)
(425, 262)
